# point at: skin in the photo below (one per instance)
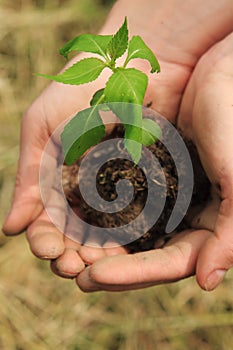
(195, 85)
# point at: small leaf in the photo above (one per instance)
(134, 149)
(129, 86)
(138, 49)
(126, 85)
(133, 132)
(136, 136)
(87, 43)
(84, 71)
(98, 97)
(85, 130)
(119, 42)
(151, 132)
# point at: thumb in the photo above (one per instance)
(27, 204)
(216, 256)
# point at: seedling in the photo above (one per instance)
(125, 85)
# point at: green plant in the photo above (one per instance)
(125, 85)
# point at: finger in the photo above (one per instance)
(125, 272)
(111, 248)
(216, 257)
(91, 253)
(26, 204)
(92, 249)
(68, 265)
(45, 234)
(45, 239)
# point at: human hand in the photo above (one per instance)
(59, 102)
(177, 53)
(56, 104)
(210, 94)
(205, 115)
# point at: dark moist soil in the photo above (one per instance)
(114, 170)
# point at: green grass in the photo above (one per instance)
(39, 311)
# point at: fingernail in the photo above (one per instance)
(214, 279)
(85, 283)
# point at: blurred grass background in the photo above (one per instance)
(39, 311)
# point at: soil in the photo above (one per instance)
(114, 170)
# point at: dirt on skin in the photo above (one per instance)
(162, 174)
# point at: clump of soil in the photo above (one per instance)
(117, 169)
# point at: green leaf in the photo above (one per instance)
(98, 97)
(138, 49)
(126, 85)
(131, 116)
(119, 42)
(84, 71)
(87, 43)
(136, 136)
(85, 130)
(151, 132)
(134, 148)
(129, 86)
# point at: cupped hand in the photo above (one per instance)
(177, 54)
(51, 108)
(55, 105)
(210, 93)
(207, 250)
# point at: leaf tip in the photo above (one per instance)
(155, 70)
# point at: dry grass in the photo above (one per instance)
(38, 310)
